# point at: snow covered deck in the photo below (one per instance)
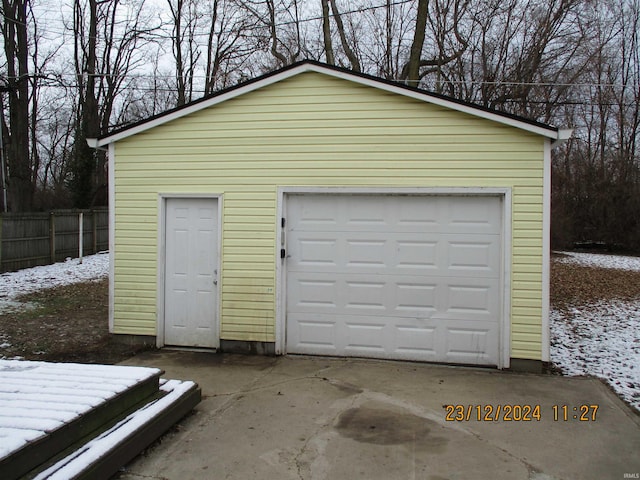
(79, 421)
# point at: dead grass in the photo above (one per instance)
(70, 323)
(573, 285)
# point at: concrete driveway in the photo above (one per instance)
(325, 418)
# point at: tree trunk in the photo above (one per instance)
(20, 187)
(411, 71)
(326, 32)
(353, 58)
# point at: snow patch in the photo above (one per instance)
(603, 340)
(14, 284)
(617, 262)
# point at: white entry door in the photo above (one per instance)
(191, 272)
(398, 277)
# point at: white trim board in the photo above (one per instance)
(111, 165)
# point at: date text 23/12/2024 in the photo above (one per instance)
(519, 413)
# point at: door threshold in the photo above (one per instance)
(191, 349)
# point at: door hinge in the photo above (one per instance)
(283, 253)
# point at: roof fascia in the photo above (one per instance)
(197, 106)
(550, 132)
(539, 129)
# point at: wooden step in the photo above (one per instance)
(103, 456)
(45, 408)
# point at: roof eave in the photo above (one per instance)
(564, 134)
(548, 131)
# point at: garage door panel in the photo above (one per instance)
(317, 333)
(360, 294)
(474, 256)
(415, 298)
(471, 215)
(404, 277)
(316, 252)
(474, 299)
(387, 295)
(364, 334)
(468, 344)
(346, 335)
(314, 293)
(395, 253)
(367, 213)
(420, 340)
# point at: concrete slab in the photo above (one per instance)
(325, 418)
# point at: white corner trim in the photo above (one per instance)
(546, 252)
(160, 270)
(281, 281)
(505, 327)
(111, 166)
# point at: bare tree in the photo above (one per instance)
(185, 15)
(447, 40)
(596, 176)
(228, 44)
(106, 49)
(16, 134)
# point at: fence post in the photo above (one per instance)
(1, 222)
(52, 236)
(80, 231)
(94, 223)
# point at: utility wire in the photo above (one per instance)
(56, 78)
(169, 34)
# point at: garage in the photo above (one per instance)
(412, 277)
(355, 216)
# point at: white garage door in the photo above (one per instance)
(402, 277)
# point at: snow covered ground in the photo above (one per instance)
(603, 338)
(618, 262)
(13, 284)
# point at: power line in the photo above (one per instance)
(506, 83)
(169, 35)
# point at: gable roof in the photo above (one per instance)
(522, 123)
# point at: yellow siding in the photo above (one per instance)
(312, 130)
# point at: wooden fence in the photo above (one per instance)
(30, 239)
